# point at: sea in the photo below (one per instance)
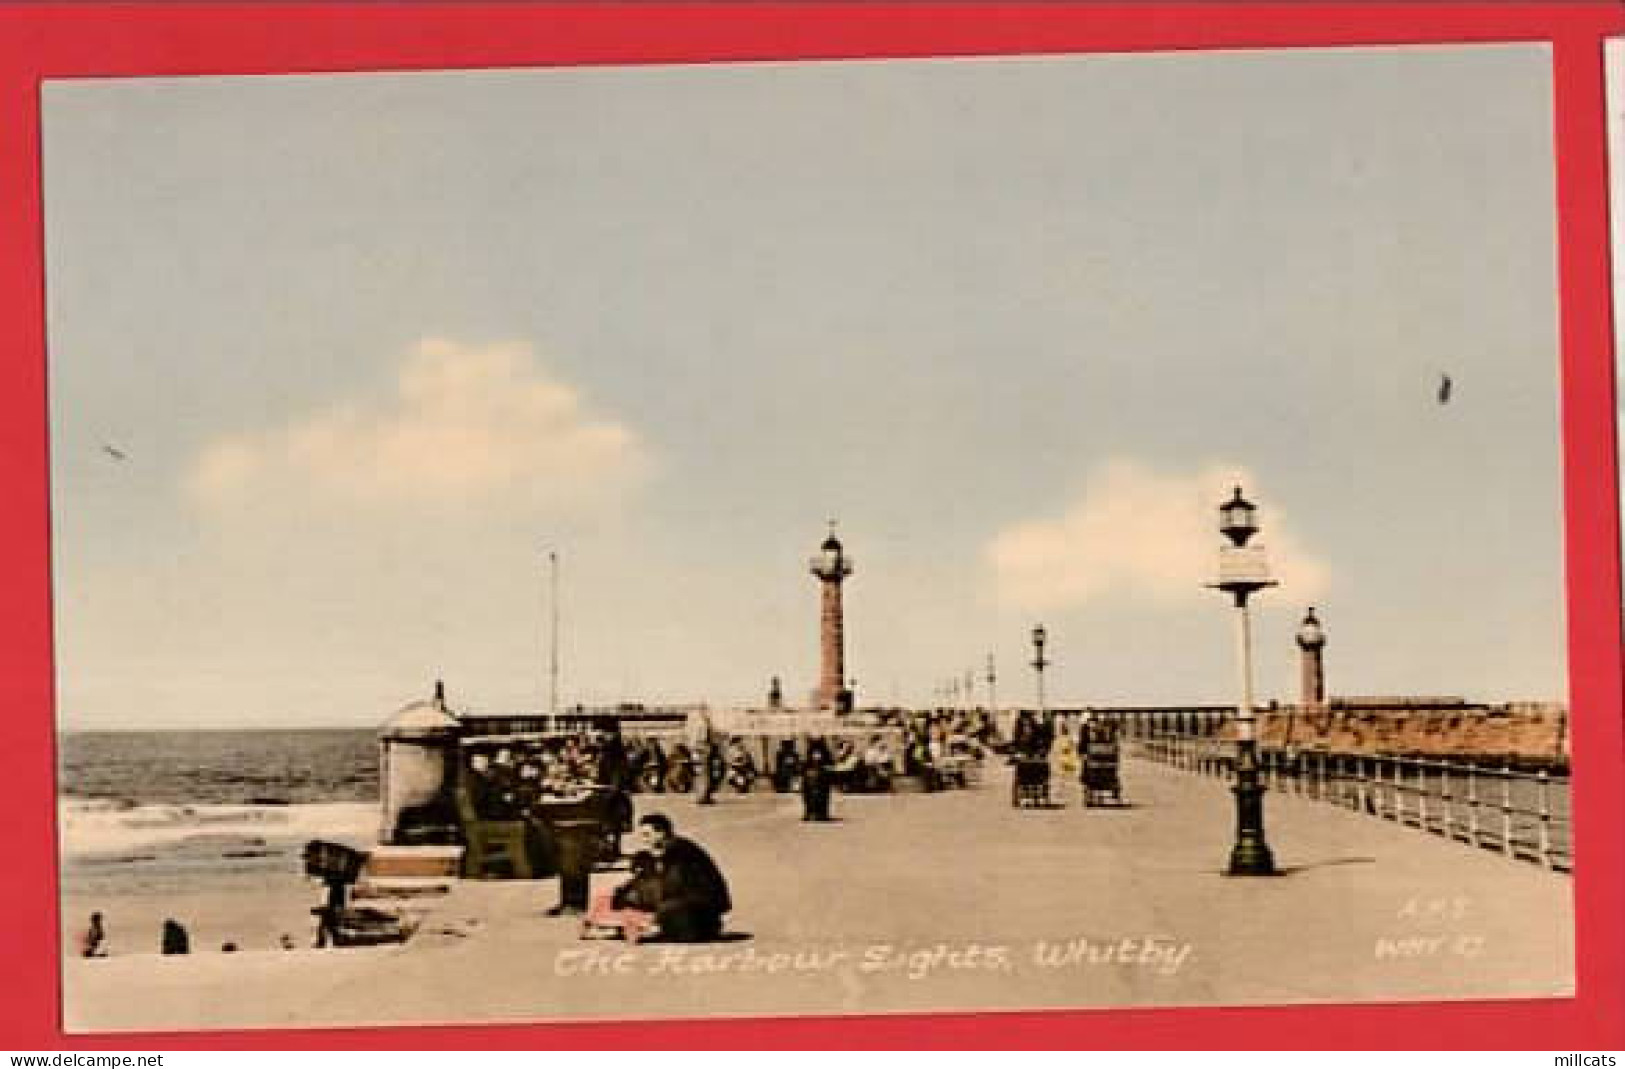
(165, 812)
(269, 767)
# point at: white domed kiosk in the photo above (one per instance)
(417, 747)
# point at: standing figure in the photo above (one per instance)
(1024, 736)
(1064, 768)
(614, 766)
(655, 767)
(815, 782)
(575, 844)
(741, 766)
(175, 940)
(680, 771)
(712, 771)
(637, 762)
(93, 943)
(786, 767)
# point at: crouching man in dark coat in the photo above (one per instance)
(693, 894)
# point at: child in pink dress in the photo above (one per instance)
(628, 911)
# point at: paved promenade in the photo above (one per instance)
(920, 902)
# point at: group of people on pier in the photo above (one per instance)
(1051, 757)
(506, 780)
(674, 890)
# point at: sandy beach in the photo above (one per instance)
(229, 873)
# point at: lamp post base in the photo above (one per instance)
(1250, 856)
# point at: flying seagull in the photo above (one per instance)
(116, 454)
(1444, 389)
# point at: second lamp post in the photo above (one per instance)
(1243, 570)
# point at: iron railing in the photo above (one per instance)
(1520, 814)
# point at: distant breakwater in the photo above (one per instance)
(1521, 734)
(1532, 735)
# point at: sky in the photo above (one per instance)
(372, 346)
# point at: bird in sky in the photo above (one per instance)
(116, 454)
(1444, 389)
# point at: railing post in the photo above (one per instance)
(1422, 817)
(1472, 804)
(1448, 825)
(1544, 783)
(1506, 809)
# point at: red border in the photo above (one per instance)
(132, 39)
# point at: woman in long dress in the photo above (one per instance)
(1063, 769)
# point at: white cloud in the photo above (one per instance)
(461, 422)
(1139, 534)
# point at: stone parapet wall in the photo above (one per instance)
(1520, 732)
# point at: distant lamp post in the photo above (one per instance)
(992, 694)
(1243, 570)
(1040, 638)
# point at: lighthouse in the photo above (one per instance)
(831, 567)
(1312, 642)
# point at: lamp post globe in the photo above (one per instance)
(1238, 519)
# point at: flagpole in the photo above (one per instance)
(553, 642)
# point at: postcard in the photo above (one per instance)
(834, 534)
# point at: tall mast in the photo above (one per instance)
(553, 638)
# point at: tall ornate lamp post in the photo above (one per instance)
(1040, 637)
(1243, 570)
(992, 694)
